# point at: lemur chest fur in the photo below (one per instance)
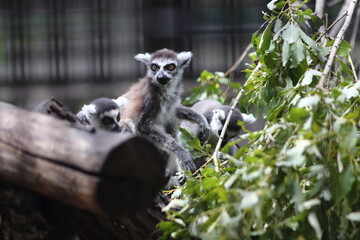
(167, 111)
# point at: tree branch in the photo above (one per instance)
(337, 43)
(356, 27)
(344, 8)
(327, 29)
(214, 157)
(238, 61)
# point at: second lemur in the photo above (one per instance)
(154, 106)
(216, 113)
(102, 113)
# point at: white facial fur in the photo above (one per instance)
(215, 123)
(97, 120)
(181, 61)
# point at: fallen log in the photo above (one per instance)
(102, 172)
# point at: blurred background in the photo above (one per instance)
(78, 50)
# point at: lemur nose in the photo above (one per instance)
(163, 80)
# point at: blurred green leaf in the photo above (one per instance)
(344, 49)
(265, 38)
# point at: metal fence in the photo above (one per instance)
(70, 41)
(76, 41)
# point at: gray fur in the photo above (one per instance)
(154, 106)
(102, 113)
(215, 114)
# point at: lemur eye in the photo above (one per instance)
(107, 120)
(118, 117)
(154, 67)
(170, 67)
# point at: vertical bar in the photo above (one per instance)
(49, 42)
(13, 57)
(94, 50)
(21, 43)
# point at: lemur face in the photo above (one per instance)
(107, 120)
(102, 113)
(163, 70)
(164, 65)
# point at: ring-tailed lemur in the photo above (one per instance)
(154, 106)
(102, 113)
(216, 113)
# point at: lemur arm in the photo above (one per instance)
(186, 113)
(169, 143)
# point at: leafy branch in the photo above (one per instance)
(338, 40)
(299, 176)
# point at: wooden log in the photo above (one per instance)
(56, 109)
(105, 173)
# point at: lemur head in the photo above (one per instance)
(163, 66)
(102, 113)
(217, 120)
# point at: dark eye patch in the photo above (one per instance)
(118, 117)
(107, 120)
(154, 67)
(170, 67)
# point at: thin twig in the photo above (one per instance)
(344, 8)
(214, 157)
(328, 28)
(353, 68)
(356, 27)
(338, 40)
(319, 11)
(238, 61)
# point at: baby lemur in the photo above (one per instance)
(216, 113)
(153, 106)
(102, 113)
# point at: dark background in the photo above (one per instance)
(78, 50)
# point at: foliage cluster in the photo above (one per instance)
(299, 177)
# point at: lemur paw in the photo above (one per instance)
(189, 163)
(204, 133)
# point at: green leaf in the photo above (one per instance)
(298, 115)
(255, 38)
(285, 53)
(314, 222)
(341, 184)
(312, 44)
(291, 33)
(348, 136)
(249, 200)
(344, 49)
(345, 68)
(271, 5)
(295, 155)
(266, 38)
(278, 25)
(190, 139)
(297, 53)
(354, 216)
(275, 4)
(309, 101)
(308, 76)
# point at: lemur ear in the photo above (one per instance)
(184, 58)
(121, 101)
(143, 57)
(89, 109)
(248, 118)
(219, 113)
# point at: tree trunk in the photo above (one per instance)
(93, 184)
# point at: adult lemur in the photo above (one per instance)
(154, 106)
